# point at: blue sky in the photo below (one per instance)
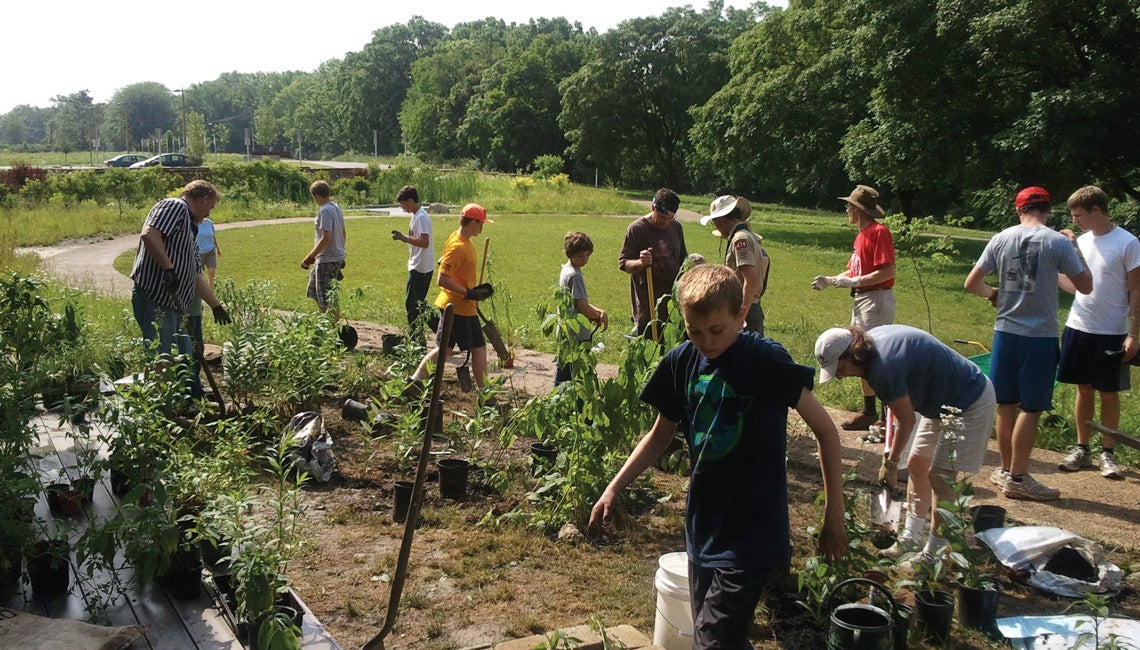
(72, 45)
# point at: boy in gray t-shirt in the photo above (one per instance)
(578, 248)
(1023, 361)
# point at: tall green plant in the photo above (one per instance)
(915, 240)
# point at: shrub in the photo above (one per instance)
(547, 165)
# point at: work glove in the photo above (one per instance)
(480, 292)
(844, 281)
(889, 474)
(170, 281)
(821, 282)
(221, 316)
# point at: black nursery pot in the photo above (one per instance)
(403, 500)
(977, 608)
(49, 567)
(934, 614)
(453, 478)
(987, 517)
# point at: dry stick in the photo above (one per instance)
(652, 303)
(401, 573)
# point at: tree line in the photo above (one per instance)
(946, 105)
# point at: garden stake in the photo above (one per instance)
(652, 304)
(377, 642)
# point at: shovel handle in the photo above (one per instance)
(652, 304)
(483, 264)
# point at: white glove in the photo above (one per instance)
(845, 281)
(821, 282)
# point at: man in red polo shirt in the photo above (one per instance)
(870, 276)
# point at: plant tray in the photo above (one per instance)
(222, 590)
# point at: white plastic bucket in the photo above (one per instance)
(673, 629)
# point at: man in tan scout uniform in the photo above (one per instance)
(745, 256)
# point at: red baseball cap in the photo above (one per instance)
(1031, 195)
(476, 212)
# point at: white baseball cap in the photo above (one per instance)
(828, 348)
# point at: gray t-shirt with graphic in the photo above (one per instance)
(1027, 260)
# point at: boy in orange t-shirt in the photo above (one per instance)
(457, 277)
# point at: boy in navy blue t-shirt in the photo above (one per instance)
(734, 390)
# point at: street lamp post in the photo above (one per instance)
(181, 92)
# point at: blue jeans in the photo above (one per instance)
(416, 297)
(148, 314)
(194, 325)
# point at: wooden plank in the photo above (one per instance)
(1117, 435)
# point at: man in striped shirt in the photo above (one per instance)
(167, 272)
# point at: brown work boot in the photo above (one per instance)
(860, 422)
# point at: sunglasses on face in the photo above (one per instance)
(663, 212)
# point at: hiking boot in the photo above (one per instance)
(1078, 458)
(860, 422)
(999, 476)
(1108, 466)
(1028, 489)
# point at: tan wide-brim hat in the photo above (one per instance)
(865, 198)
(723, 206)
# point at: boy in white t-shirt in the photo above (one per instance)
(421, 259)
(1102, 333)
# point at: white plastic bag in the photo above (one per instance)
(312, 451)
(1030, 548)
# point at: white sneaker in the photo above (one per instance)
(1108, 466)
(999, 476)
(1028, 489)
(903, 546)
(1078, 458)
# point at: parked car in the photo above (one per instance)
(124, 160)
(164, 159)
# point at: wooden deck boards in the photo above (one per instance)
(170, 623)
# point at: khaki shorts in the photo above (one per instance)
(210, 260)
(873, 308)
(964, 455)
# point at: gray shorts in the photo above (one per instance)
(970, 450)
(873, 308)
(210, 260)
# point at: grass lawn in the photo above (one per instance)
(526, 253)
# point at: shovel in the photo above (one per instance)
(463, 373)
(199, 356)
(401, 573)
(490, 330)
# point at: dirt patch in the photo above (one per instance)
(471, 584)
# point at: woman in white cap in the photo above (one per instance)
(745, 255)
(918, 377)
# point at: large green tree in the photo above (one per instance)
(773, 130)
(513, 117)
(627, 110)
(373, 83)
(443, 84)
(75, 122)
(136, 111)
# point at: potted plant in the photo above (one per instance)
(933, 605)
(978, 590)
